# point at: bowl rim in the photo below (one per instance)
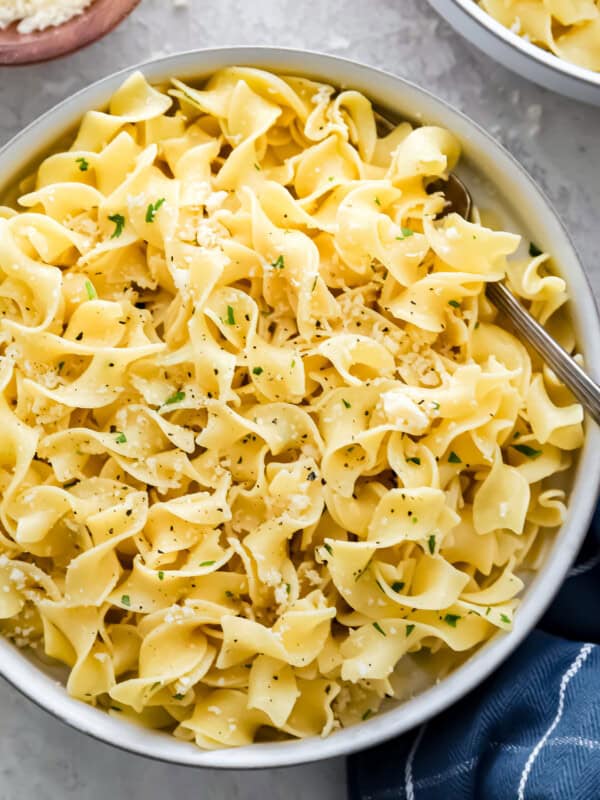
(531, 51)
(33, 683)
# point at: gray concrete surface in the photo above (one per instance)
(556, 139)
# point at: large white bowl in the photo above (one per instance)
(497, 179)
(517, 54)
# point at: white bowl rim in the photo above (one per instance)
(528, 49)
(51, 696)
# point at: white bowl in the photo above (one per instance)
(517, 54)
(495, 177)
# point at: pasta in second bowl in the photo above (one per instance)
(555, 43)
(270, 459)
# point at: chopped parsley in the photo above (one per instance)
(415, 460)
(175, 398)
(329, 548)
(431, 544)
(119, 221)
(126, 600)
(153, 208)
(178, 696)
(451, 619)
(534, 250)
(505, 619)
(229, 594)
(454, 303)
(83, 164)
(161, 575)
(91, 292)
(256, 167)
(367, 714)
(279, 262)
(379, 629)
(60, 366)
(257, 371)
(397, 586)
(406, 232)
(409, 629)
(314, 286)
(453, 458)
(206, 563)
(121, 438)
(530, 452)
(377, 201)
(435, 406)
(346, 403)
(230, 316)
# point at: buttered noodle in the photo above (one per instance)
(568, 28)
(264, 447)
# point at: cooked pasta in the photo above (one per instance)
(267, 455)
(568, 28)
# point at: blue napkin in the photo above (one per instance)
(530, 732)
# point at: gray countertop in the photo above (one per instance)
(557, 141)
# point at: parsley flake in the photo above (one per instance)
(367, 714)
(377, 201)
(153, 208)
(279, 262)
(175, 398)
(530, 452)
(91, 292)
(346, 403)
(329, 548)
(83, 164)
(230, 316)
(406, 232)
(505, 619)
(451, 619)
(415, 460)
(161, 575)
(454, 303)
(119, 221)
(379, 629)
(126, 600)
(397, 586)
(409, 629)
(534, 250)
(431, 544)
(206, 563)
(453, 458)
(121, 438)
(178, 696)
(257, 371)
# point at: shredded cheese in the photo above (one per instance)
(37, 15)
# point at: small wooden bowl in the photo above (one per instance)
(96, 21)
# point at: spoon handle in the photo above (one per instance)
(565, 367)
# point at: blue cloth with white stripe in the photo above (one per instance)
(530, 732)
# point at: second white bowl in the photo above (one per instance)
(517, 54)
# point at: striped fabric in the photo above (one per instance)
(530, 732)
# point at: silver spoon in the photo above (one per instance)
(458, 200)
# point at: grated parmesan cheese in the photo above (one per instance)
(37, 15)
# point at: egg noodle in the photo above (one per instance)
(568, 28)
(266, 456)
